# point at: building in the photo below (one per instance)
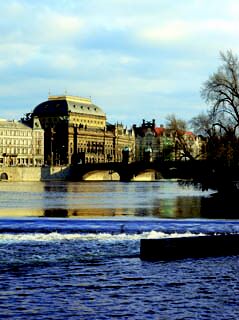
(123, 143)
(159, 143)
(21, 145)
(76, 132)
(147, 142)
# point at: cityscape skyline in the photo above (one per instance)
(135, 62)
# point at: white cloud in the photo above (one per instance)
(63, 61)
(136, 59)
(126, 60)
(13, 8)
(191, 32)
(56, 27)
(42, 25)
(16, 54)
(172, 31)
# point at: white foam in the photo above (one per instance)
(158, 235)
(55, 236)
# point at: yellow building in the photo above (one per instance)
(76, 132)
(21, 145)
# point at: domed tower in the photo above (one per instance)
(74, 129)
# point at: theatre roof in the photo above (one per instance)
(63, 105)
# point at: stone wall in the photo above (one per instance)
(34, 173)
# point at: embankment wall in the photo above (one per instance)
(34, 173)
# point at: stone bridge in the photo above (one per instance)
(135, 171)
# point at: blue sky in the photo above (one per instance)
(137, 60)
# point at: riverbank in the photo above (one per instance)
(35, 173)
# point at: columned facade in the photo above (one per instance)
(76, 132)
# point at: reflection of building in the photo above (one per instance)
(76, 132)
(21, 145)
(159, 143)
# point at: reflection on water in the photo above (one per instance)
(220, 207)
(164, 199)
(181, 207)
(90, 268)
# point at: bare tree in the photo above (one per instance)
(221, 92)
(202, 125)
(178, 128)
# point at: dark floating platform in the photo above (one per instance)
(189, 247)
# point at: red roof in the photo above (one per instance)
(159, 131)
(189, 133)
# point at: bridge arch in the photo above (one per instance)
(101, 175)
(145, 175)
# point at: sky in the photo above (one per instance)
(143, 59)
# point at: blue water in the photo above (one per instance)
(88, 267)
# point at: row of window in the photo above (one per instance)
(93, 160)
(25, 142)
(52, 121)
(93, 150)
(14, 151)
(95, 144)
(39, 134)
(19, 133)
(20, 162)
(81, 121)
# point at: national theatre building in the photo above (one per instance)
(76, 132)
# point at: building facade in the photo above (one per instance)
(159, 143)
(76, 132)
(21, 145)
(147, 142)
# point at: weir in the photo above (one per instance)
(189, 247)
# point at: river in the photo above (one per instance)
(70, 250)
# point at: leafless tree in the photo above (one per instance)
(221, 92)
(178, 128)
(202, 125)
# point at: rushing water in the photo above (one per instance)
(71, 251)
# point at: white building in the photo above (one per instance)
(21, 145)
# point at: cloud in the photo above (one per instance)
(16, 54)
(169, 32)
(181, 32)
(41, 25)
(137, 61)
(52, 26)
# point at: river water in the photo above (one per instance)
(70, 250)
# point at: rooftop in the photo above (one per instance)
(62, 105)
(14, 124)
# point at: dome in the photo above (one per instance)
(62, 105)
